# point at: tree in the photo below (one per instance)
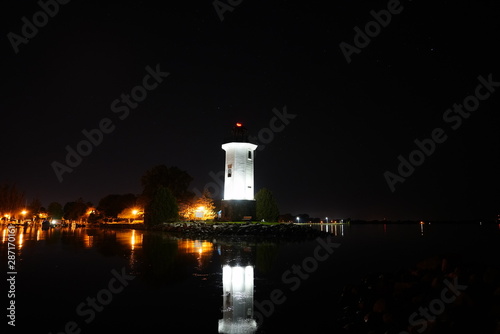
(162, 208)
(34, 207)
(75, 210)
(204, 204)
(267, 209)
(112, 205)
(173, 178)
(95, 217)
(11, 200)
(55, 210)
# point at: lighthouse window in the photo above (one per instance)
(249, 155)
(229, 172)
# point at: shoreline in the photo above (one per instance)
(210, 230)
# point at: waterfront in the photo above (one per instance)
(100, 280)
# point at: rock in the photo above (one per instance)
(243, 230)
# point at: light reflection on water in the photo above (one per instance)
(224, 267)
(336, 229)
(344, 229)
(156, 256)
(134, 239)
(237, 300)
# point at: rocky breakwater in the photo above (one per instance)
(197, 230)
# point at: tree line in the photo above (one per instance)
(165, 198)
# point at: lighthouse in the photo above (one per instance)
(238, 202)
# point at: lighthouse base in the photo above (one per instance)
(238, 210)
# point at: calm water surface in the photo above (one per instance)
(92, 280)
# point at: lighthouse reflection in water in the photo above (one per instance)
(237, 305)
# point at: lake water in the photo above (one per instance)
(92, 280)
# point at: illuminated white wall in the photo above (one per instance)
(237, 308)
(238, 179)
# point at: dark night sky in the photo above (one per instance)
(352, 120)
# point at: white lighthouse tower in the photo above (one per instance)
(238, 202)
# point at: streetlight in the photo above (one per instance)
(134, 215)
(200, 212)
(298, 219)
(327, 220)
(24, 212)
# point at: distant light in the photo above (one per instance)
(238, 124)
